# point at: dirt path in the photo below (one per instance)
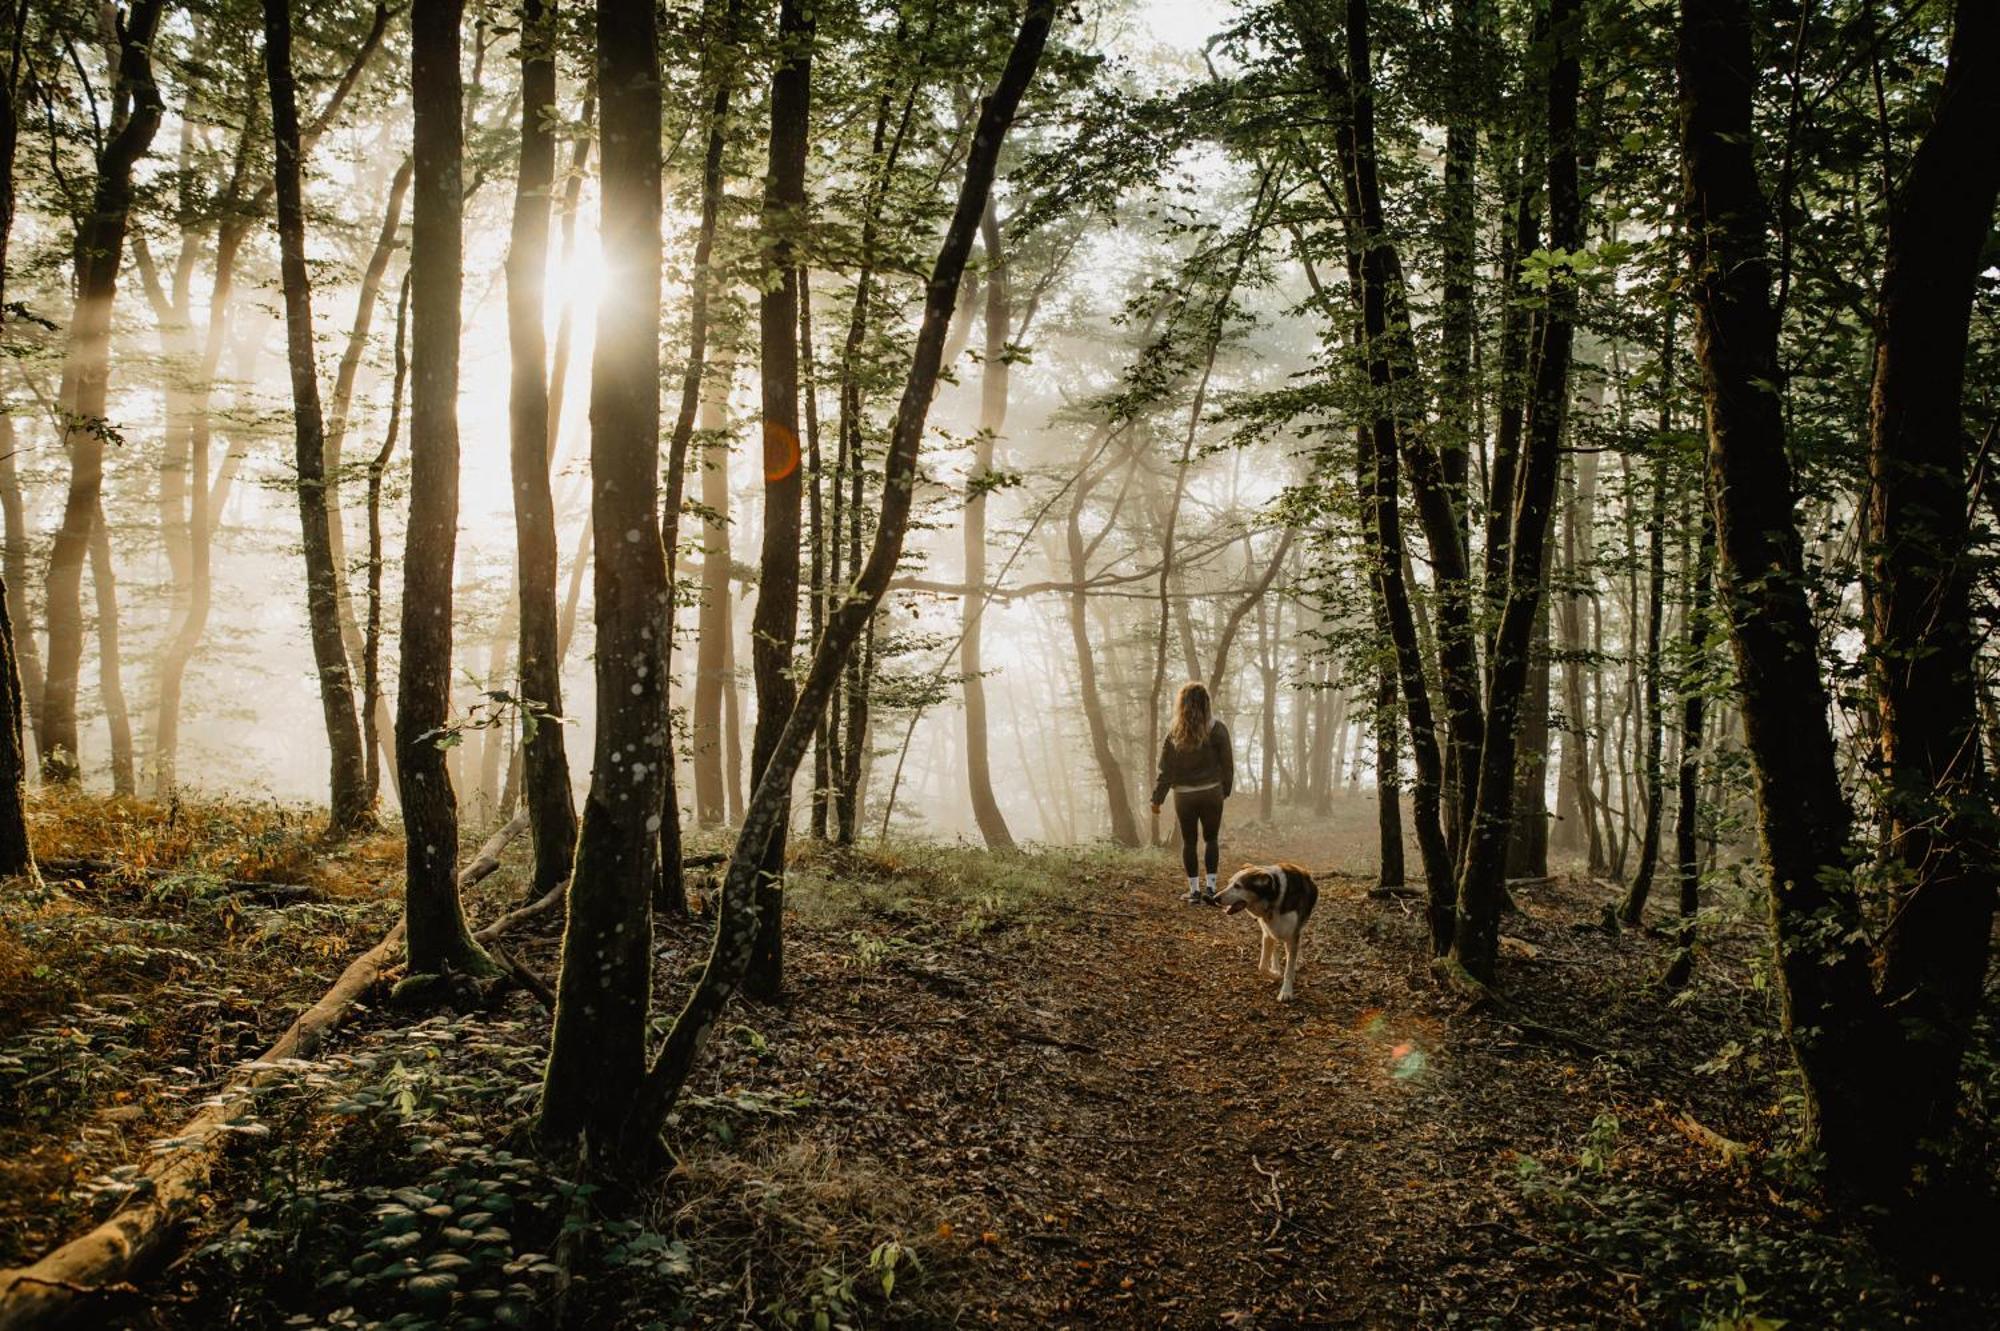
(1233, 1158)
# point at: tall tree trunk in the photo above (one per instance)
(1124, 827)
(850, 780)
(372, 702)
(17, 853)
(1804, 821)
(670, 891)
(597, 1052)
(1693, 699)
(775, 621)
(716, 624)
(1528, 841)
(993, 386)
(439, 941)
(110, 660)
(100, 250)
(387, 240)
(737, 925)
(1482, 886)
(544, 756)
(336, 686)
(1926, 639)
(1632, 909)
(14, 570)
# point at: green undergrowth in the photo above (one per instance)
(961, 888)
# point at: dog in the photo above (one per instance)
(1282, 897)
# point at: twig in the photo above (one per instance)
(1277, 1199)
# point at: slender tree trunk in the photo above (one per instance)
(716, 624)
(1632, 909)
(86, 373)
(597, 1051)
(439, 941)
(1124, 827)
(1687, 812)
(1528, 841)
(372, 703)
(336, 687)
(110, 661)
(14, 569)
(1482, 887)
(670, 890)
(17, 854)
(544, 755)
(993, 385)
(387, 240)
(775, 621)
(738, 925)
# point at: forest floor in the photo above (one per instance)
(1018, 1090)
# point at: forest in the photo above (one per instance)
(842, 564)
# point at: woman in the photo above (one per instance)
(1195, 763)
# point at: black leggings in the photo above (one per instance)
(1203, 808)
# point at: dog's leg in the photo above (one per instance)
(1264, 946)
(1291, 968)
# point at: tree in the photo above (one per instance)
(993, 376)
(100, 252)
(1482, 883)
(17, 854)
(350, 806)
(597, 1051)
(738, 923)
(774, 624)
(545, 761)
(439, 942)
(1862, 1109)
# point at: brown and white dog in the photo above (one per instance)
(1282, 897)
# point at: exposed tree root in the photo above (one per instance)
(72, 1281)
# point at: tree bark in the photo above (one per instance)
(544, 756)
(597, 1052)
(1926, 639)
(1804, 821)
(1482, 887)
(1693, 699)
(439, 940)
(347, 782)
(17, 852)
(86, 373)
(737, 925)
(775, 621)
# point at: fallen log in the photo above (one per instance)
(269, 894)
(76, 1277)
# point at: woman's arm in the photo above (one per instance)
(1160, 781)
(1218, 735)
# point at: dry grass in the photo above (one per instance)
(260, 841)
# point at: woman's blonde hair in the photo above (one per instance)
(1192, 716)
